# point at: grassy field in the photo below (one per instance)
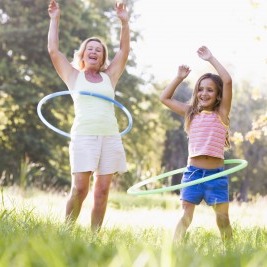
(137, 232)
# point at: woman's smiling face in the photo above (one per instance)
(93, 54)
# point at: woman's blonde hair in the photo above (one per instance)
(78, 62)
(196, 108)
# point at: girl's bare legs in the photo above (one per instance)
(185, 221)
(79, 191)
(101, 192)
(223, 222)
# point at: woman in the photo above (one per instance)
(96, 145)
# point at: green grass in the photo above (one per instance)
(30, 239)
(123, 201)
(27, 240)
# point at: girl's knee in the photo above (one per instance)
(186, 220)
(222, 220)
(188, 212)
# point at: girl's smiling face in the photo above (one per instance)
(207, 94)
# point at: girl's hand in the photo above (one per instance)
(53, 9)
(204, 53)
(183, 71)
(121, 11)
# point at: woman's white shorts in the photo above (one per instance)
(99, 154)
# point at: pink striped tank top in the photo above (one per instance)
(207, 135)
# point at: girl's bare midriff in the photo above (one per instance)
(206, 162)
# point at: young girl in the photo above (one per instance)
(206, 124)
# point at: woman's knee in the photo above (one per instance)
(80, 185)
(79, 192)
(101, 187)
(101, 194)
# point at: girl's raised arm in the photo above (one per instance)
(167, 95)
(226, 101)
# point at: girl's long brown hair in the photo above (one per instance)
(194, 105)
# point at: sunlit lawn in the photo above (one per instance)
(138, 211)
(137, 232)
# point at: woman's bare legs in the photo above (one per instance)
(101, 192)
(79, 191)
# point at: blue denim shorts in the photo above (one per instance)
(213, 192)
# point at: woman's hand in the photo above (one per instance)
(204, 53)
(122, 13)
(53, 9)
